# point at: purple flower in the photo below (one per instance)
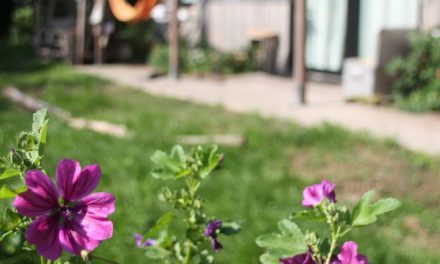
(349, 255)
(305, 258)
(211, 231)
(138, 238)
(315, 194)
(74, 223)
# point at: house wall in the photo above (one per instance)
(230, 21)
(430, 14)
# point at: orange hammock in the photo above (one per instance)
(125, 12)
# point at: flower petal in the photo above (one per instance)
(97, 227)
(91, 216)
(44, 232)
(87, 181)
(315, 194)
(138, 239)
(329, 190)
(41, 196)
(75, 183)
(312, 196)
(215, 245)
(67, 172)
(99, 204)
(73, 239)
(349, 254)
(211, 228)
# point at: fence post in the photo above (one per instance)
(173, 36)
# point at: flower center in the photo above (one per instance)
(67, 213)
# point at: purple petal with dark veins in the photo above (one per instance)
(43, 233)
(40, 198)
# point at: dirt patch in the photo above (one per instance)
(366, 169)
(418, 235)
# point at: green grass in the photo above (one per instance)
(258, 184)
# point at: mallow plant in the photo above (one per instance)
(186, 233)
(62, 222)
(294, 246)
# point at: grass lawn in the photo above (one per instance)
(258, 184)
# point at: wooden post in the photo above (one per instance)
(203, 23)
(97, 44)
(80, 31)
(173, 36)
(37, 23)
(300, 50)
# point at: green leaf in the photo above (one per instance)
(169, 166)
(20, 258)
(39, 118)
(8, 173)
(230, 228)
(160, 158)
(309, 215)
(9, 220)
(8, 192)
(178, 154)
(211, 159)
(365, 213)
(161, 225)
(39, 129)
(268, 258)
(386, 205)
(290, 242)
(156, 252)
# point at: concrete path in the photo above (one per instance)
(274, 96)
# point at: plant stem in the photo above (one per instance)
(188, 256)
(335, 233)
(317, 260)
(335, 237)
(345, 232)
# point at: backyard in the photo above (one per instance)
(258, 184)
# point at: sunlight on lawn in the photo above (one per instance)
(258, 184)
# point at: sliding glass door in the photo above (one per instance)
(380, 14)
(327, 21)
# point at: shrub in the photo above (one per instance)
(417, 87)
(209, 60)
(22, 25)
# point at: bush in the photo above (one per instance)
(209, 60)
(417, 87)
(140, 38)
(22, 25)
